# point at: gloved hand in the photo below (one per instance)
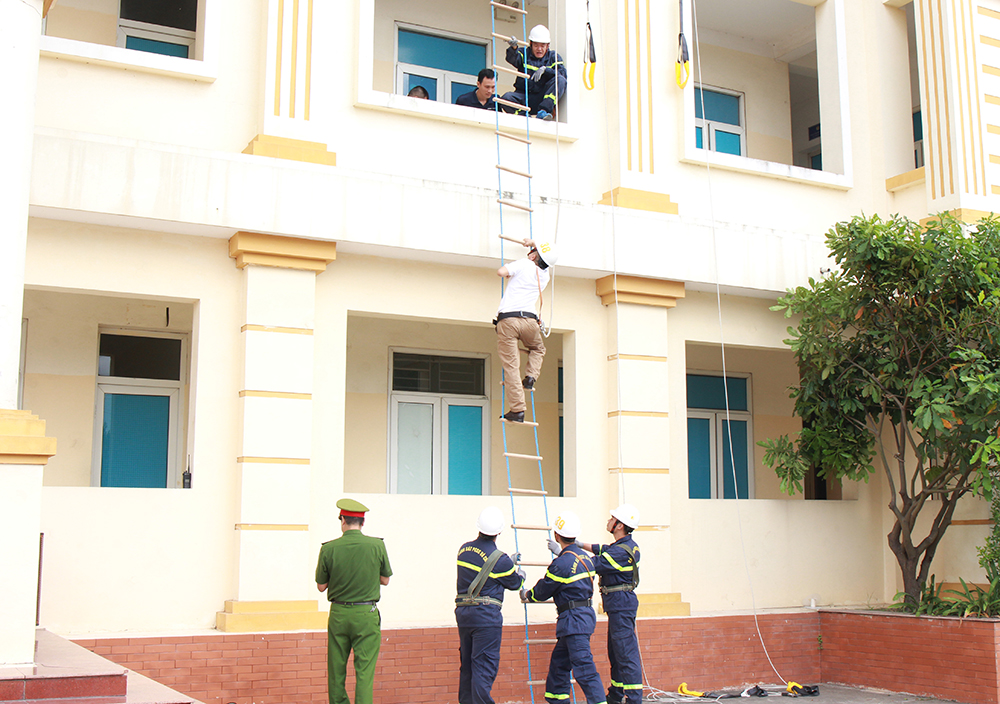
(524, 596)
(538, 75)
(512, 42)
(554, 547)
(520, 573)
(580, 543)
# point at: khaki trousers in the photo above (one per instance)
(509, 331)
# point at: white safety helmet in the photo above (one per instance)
(548, 252)
(540, 34)
(491, 521)
(627, 514)
(567, 524)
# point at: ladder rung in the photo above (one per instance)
(507, 69)
(533, 492)
(506, 38)
(514, 137)
(537, 458)
(514, 422)
(508, 103)
(514, 171)
(513, 204)
(534, 564)
(536, 641)
(507, 7)
(518, 526)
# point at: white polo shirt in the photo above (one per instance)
(526, 282)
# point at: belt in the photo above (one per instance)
(618, 588)
(477, 601)
(354, 603)
(516, 314)
(572, 605)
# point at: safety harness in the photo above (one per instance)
(471, 597)
(627, 586)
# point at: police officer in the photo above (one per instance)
(351, 570)
(483, 574)
(569, 581)
(617, 566)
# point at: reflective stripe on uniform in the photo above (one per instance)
(479, 568)
(569, 580)
(611, 561)
(550, 695)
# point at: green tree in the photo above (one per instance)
(898, 352)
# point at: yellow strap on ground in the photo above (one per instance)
(683, 689)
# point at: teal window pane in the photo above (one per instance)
(918, 126)
(458, 89)
(719, 107)
(414, 448)
(134, 441)
(816, 162)
(412, 81)
(737, 429)
(465, 450)
(699, 458)
(704, 391)
(727, 142)
(697, 137)
(154, 46)
(440, 52)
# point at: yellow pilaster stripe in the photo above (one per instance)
(992, 70)
(271, 526)
(637, 357)
(639, 470)
(275, 328)
(628, 90)
(638, 84)
(988, 13)
(993, 129)
(989, 41)
(294, 74)
(277, 58)
(649, 84)
(309, 49)
(638, 414)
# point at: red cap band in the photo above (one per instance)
(356, 514)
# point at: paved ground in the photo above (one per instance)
(832, 694)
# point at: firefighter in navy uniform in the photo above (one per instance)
(617, 566)
(546, 71)
(483, 574)
(569, 581)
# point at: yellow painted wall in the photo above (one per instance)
(84, 20)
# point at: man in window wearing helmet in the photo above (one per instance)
(546, 71)
(517, 320)
(617, 566)
(569, 581)
(483, 574)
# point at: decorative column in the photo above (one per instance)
(639, 423)
(23, 445)
(276, 433)
(636, 73)
(287, 129)
(960, 99)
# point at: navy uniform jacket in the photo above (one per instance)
(471, 558)
(525, 62)
(570, 577)
(615, 564)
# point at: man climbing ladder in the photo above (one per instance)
(517, 320)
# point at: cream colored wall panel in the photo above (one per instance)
(66, 403)
(645, 441)
(276, 427)
(656, 565)
(274, 493)
(93, 24)
(366, 458)
(641, 330)
(20, 501)
(281, 297)
(276, 565)
(648, 492)
(644, 385)
(276, 361)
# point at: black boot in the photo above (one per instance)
(513, 416)
(529, 382)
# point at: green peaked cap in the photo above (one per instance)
(352, 505)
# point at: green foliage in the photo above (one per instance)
(899, 367)
(971, 601)
(989, 553)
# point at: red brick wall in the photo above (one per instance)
(418, 666)
(949, 658)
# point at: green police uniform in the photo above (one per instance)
(350, 566)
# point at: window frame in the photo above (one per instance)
(440, 403)
(143, 387)
(708, 135)
(717, 444)
(155, 32)
(445, 77)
